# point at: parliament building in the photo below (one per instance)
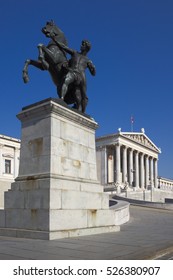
(129, 160)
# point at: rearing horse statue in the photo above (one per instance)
(53, 59)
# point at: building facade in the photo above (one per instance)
(127, 159)
(9, 163)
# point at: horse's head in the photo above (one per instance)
(51, 30)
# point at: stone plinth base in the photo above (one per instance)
(40, 209)
(56, 194)
(47, 235)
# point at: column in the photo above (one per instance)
(1, 160)
(117, 161)
(105, 166)
(146, 172)
(124, 164)
(136, 170)
(142, 170)
(151, 171)
(102, 164)
(155, 173)
(130, 167)
(111, 166)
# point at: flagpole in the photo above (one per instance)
(132, 121)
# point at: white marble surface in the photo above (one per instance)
(57, 188)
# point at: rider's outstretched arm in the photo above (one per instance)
(65, 48)
(91, 68)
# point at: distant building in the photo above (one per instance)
(9, 163)
(165, 184)
(129, 159)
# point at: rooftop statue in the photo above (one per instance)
(67, 75)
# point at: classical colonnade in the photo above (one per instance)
(124, 165)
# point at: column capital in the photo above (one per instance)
(100, 148)
(117, 144)
(142, 155)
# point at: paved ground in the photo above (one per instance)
(148, 235)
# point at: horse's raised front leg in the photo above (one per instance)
(25, 71)
(28, 62)
(41, 56)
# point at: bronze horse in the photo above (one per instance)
(54, 60)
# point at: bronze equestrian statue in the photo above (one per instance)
(67, 75)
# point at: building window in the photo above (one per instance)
(7, 166)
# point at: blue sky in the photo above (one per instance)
(132, 49)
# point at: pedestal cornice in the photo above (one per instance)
(56, 106)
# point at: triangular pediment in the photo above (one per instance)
(142, 139)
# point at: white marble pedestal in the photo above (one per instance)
(56, 194)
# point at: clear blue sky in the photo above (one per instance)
(132, 49)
